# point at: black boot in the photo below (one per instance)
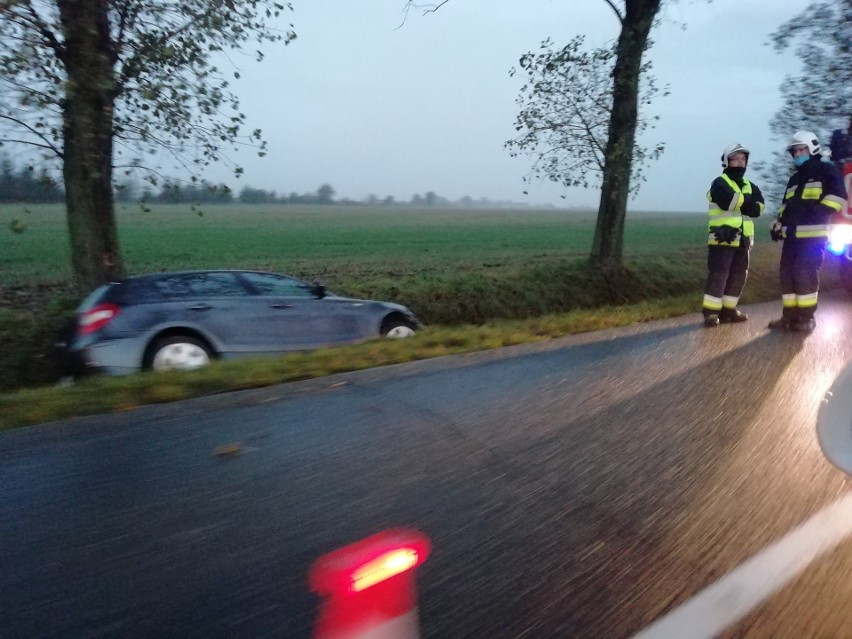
(789, 318)
(711, 320)
(732, 316)
(805, 325)
(782, 324)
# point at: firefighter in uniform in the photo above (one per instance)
(734, 200)
(814, 193)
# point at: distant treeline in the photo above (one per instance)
(204, 193)
(29, 184)
(25, 184)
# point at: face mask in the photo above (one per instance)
(799, 160)
(736, 172)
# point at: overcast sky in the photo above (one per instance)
(373, 106)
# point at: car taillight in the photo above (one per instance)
(97, 317)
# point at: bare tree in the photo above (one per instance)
(819, 99)
(565, 105)
(94, 81)
(636, 17)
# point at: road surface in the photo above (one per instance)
(584, 487)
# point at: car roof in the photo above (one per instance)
(159, 274)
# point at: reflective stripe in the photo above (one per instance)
(812, 191)
(736, 202)
(807, 301)
(789, 300)
(807, 230)
(833, 202)
(789, 193)
(727, 220)
(729, 301)
(738, 199)
(712, 303)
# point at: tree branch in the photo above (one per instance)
(427, 8)
(615, 9)
(46, 33)
(131, 66)
(47, 144)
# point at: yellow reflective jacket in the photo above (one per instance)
(726, 199)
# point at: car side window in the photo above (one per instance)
(272, 285)
(195, 285)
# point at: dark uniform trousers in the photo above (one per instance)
(727, 269)
(801, 260)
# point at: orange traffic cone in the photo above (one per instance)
(368, 587)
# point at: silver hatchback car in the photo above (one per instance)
(182, 320)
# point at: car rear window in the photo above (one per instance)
(195, 285)
(274, 285)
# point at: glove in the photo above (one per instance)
(750, 208)
(725, 234)
(775, 231)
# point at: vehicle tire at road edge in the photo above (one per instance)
(398, 329)
(177, 352)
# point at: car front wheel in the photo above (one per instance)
(398, 330)
(178, 353)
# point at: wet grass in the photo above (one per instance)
(107, 394)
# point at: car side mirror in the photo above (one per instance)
(318, 290)
(834, 424)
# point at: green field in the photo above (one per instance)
(450, 265)
(336, 243)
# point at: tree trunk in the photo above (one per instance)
(608, 243)
(87, 143)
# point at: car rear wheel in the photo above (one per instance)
(398, 329)
(178, 353)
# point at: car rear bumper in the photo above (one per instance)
(110, 357)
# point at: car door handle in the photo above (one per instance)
(282, 305)
(200, 307)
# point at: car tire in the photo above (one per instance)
(177, 352)
(398, 329)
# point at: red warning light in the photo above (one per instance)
(383, 567)
(368, 587)
(365, 563)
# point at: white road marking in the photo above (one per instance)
(732, 597)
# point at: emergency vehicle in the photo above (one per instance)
(840, 230)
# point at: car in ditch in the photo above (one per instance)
(183, 320)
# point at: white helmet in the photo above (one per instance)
(805, 138)
(730, 150)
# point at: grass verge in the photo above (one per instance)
(107, 394)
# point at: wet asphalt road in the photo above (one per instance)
(578, 488)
